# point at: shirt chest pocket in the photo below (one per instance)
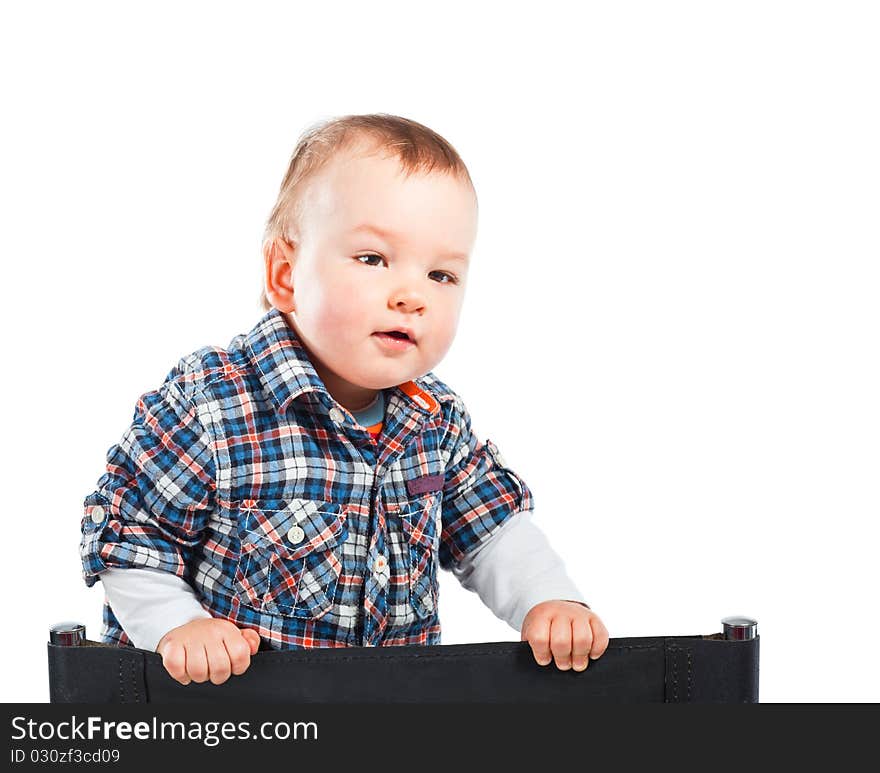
(290, 558)
(418, 520)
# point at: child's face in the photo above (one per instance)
(341, 284)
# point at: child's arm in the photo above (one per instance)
(514, 569)
(481, 494)
(149, 511)
(160, 612)
(519, 576)
(149, 603)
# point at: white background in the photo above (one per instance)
(671, 324)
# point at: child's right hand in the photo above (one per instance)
(207, 648)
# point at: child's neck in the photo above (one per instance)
(366, 405)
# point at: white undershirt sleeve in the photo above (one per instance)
(148, 603)
(514, 569)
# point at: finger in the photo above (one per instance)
(538, 636)
(581, 639)
(238, 651)
(252, 638)
(600, 638)
(174, 660)
(197, 662)
(560, 641)
(219, 667)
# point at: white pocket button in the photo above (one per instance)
(295, 535)
(97, 514)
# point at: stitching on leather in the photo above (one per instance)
(690, 674)
(673, 651)
(137, 695)
(281, 655)
(689, 677)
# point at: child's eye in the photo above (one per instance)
(445, 277)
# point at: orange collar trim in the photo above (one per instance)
(419, 396)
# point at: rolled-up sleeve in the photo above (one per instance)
(480, 492)
(150, 506)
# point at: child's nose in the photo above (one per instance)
(407, 299)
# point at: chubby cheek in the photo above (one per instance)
(332, 311)
(443, 334)
(336, 315)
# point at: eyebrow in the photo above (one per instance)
(390, 236)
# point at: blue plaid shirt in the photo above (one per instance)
(243, 476)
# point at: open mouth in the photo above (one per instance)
(395, 337)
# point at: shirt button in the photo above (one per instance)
(501, 460)
(97, 514)
(295, 535)
(337, 415)
(380, 565)
(428, 604)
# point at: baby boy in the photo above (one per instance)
(300, 487)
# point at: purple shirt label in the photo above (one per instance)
(424, 484)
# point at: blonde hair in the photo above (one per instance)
(418, 148)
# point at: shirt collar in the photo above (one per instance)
(287, 373)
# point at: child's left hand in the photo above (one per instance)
(566, 629)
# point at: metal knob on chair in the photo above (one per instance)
(67, 634)
(738, 628)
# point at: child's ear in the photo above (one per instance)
(278, 258)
